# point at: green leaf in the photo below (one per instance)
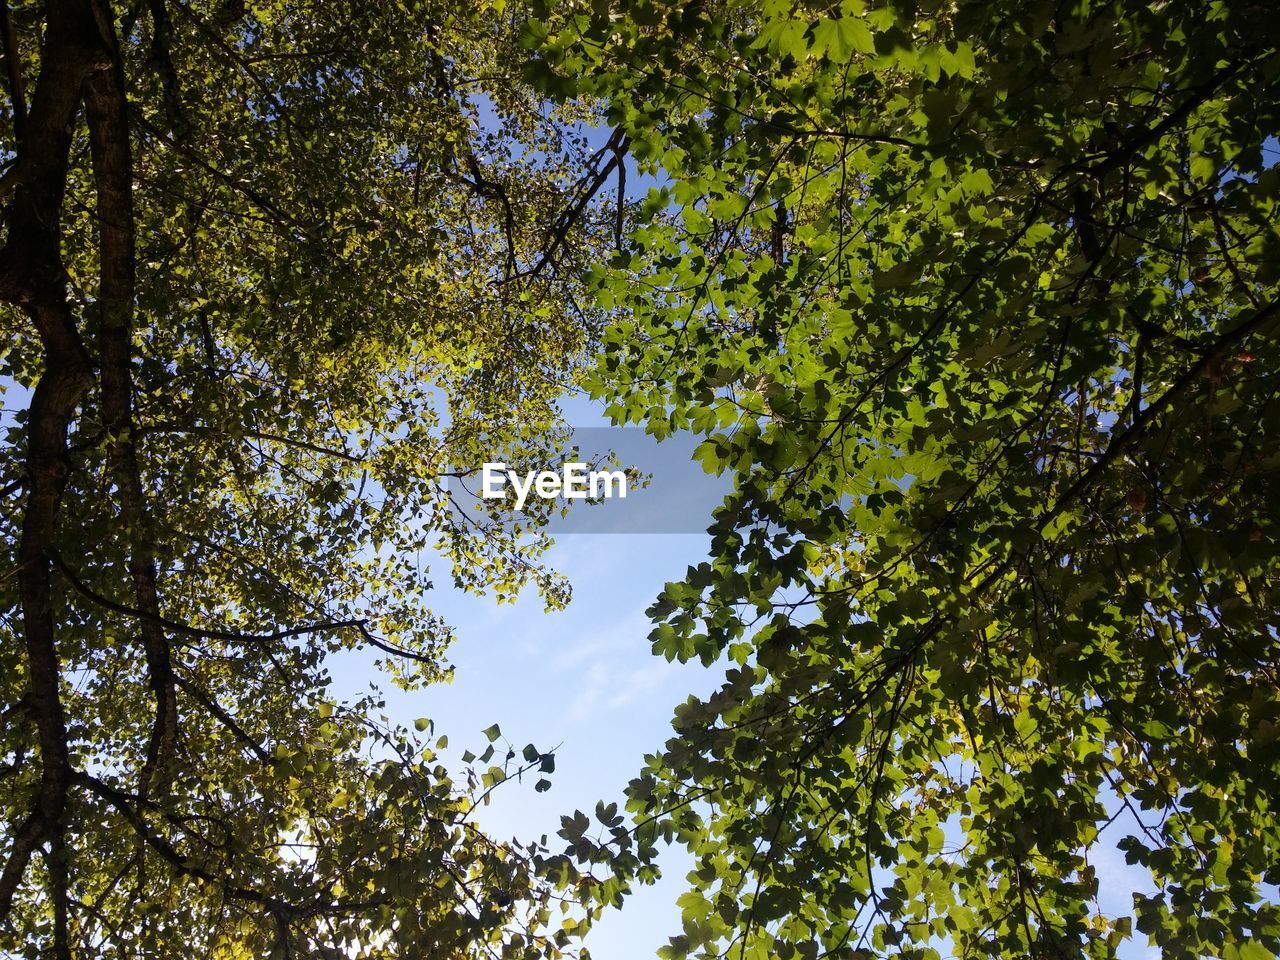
(838, 39)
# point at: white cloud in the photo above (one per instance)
(615, 669)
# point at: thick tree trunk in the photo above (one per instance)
(32, 275)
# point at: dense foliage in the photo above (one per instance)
(268, 268)
(978, 303)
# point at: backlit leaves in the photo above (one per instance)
(977, 304)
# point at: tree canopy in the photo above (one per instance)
(268, 270)
(977, 302)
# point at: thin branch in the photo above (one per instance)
(223, 717)
(210, 633)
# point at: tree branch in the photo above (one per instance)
(185, 629)
(107, 112)
(588, 187)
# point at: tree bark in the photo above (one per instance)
(32, 276)
(107, 114)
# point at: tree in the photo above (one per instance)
(267, 271)
(977, 302)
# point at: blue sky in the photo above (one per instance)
(582, 678)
